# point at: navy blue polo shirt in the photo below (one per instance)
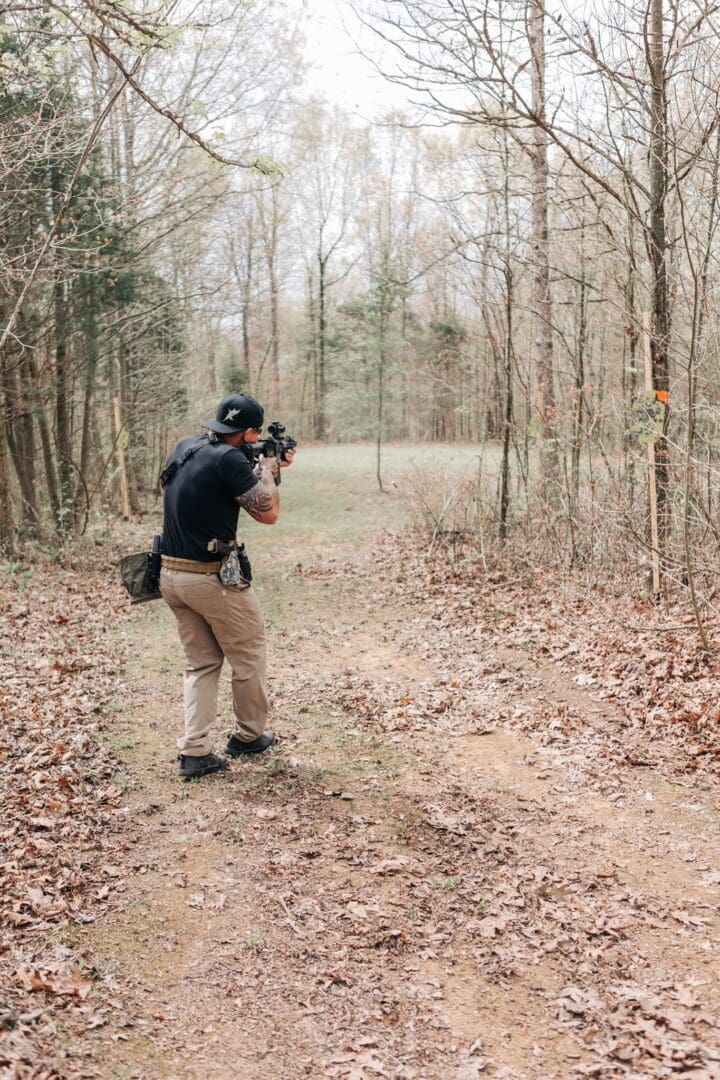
(199, 503)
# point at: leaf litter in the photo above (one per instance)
(62, 803)
(431, 918)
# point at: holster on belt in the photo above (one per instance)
(235, 568)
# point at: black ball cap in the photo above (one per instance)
(236, 413)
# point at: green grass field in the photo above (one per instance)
(330, 501)
(331, 493)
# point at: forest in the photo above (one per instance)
(525, 256)
(483, 839)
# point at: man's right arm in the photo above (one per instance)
(262, 501)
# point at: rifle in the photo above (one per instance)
(275, 445)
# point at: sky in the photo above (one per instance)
(339, 72)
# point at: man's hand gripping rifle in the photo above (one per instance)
(276, 445)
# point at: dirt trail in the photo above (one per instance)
(409, 887)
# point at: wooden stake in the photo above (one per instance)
(121, 442)
(654, 537)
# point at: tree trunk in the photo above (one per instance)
(46, 442)
(630, 358)
(274, 330)
(311, 369)
(21, 440)
(245, 311)
(541, 299)
(126, 380)
(85, 455)
(320, 420)
(271, 255)
(660, 338)
(7, 524)
(380, 397)
(62, 407)
(579, 377)
(508, 404)
(63, 433)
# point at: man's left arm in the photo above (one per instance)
(262, 502)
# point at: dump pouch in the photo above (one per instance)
(136, 576)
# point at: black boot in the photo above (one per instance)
(236, 747)
(200, 766)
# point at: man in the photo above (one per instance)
(211, 479)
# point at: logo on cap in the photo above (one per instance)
(230, 415)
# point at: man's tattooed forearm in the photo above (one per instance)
(257, 500)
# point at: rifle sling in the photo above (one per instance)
(172, 470)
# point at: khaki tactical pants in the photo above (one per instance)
(218, 622)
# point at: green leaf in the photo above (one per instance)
(264, 164)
